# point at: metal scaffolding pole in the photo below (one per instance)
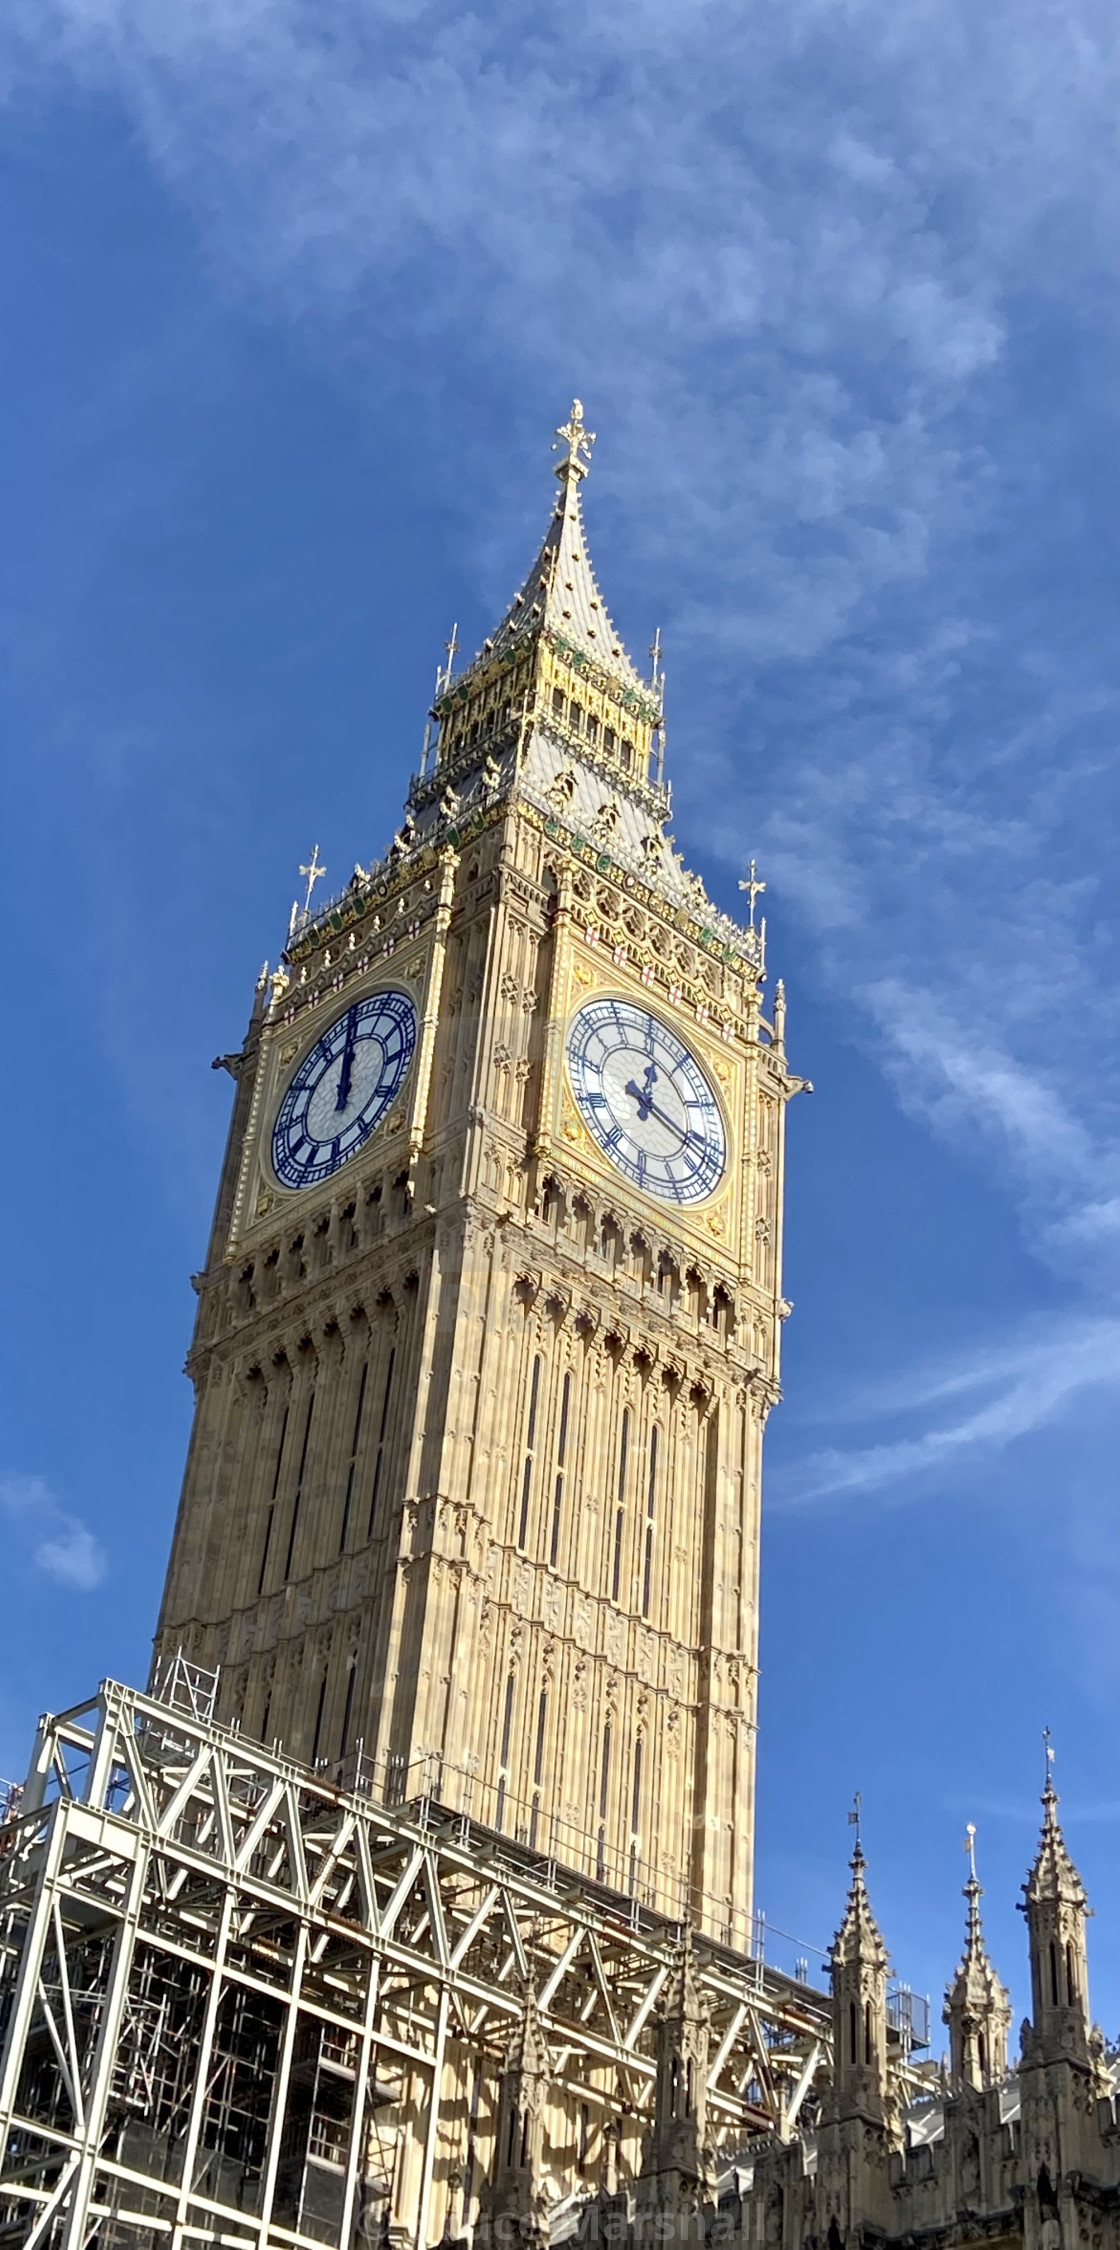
(219, 1972)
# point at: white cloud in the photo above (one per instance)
(1006, 1393)
(784, 255)
(55, 1542)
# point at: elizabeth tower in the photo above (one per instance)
(489, 1327)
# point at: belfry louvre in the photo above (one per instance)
(413, 1902)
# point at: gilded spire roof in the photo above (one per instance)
(561, 595)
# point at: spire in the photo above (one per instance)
(675, 2154)
(977, 2008)
(561, 595)
(513, 2203)
(1056, 1908)
(859, 1966)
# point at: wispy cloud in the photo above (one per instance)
(1000, 1396)
(817, 270)
(53, 1540)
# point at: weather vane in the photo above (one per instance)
(970, 1847)
(314, 872)
(857, 1800)
(1049, 1749)
(753, 889)
(655, 652)
(578, 441)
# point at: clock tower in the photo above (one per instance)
(489, 1326)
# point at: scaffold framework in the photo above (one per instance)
(243, 2005)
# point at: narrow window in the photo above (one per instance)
(350, 1473)
(542, 1721)
(688, 2088)
(381, 1441)
(1071, 1976)
(530, 1452)
(500, 1809)
(592, 728)
(348, 1710)
(299, 1488)
(561, 1455)
(507, 1722)
(575, 716)
(1054, 1974)
(558, 702)
(623, 1456)
(601, 1856)
(584, 2137)
(534, 1820)
(625, 751)
(982, 2054)
(319, 1717)
(632, 1872)
(868, 2045)
(605, 1773)
(636, 1799)
(852, 2031)
(609, 738)
(651, 1506)
(272, 1503)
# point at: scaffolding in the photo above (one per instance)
(245, 2004)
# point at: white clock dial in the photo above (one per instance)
(646, 1101)
(342, 1089)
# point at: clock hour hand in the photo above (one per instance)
(647, 1107)
(346, 1073)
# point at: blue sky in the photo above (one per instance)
(295, 297)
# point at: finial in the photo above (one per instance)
(655, 653)
(970, 1847)
(579, 442)
(314, 872)
(1048, 1776)
(856, 1814)
(753, 888)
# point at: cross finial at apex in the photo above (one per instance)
(753, 889)
(579, 442)
(1049, 1750)
(970, 1847)
(314, 872)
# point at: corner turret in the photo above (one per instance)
(859, 2006)
(675, 2155)
(977, 2006)
(1056, 1907)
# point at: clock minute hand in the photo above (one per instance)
(346, 1073)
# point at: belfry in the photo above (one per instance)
(411, 1902)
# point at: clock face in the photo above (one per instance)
(646, 1101)
(343, 1088)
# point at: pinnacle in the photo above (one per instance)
(1053, 1875)
(561, 595)
(859, 1936)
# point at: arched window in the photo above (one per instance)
(299, 1488)
(530, 1451)
(384, 1424)
(353, 1462)
(852, 2031)
(620, 1511)
(651, 1508)
(561, 1456)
